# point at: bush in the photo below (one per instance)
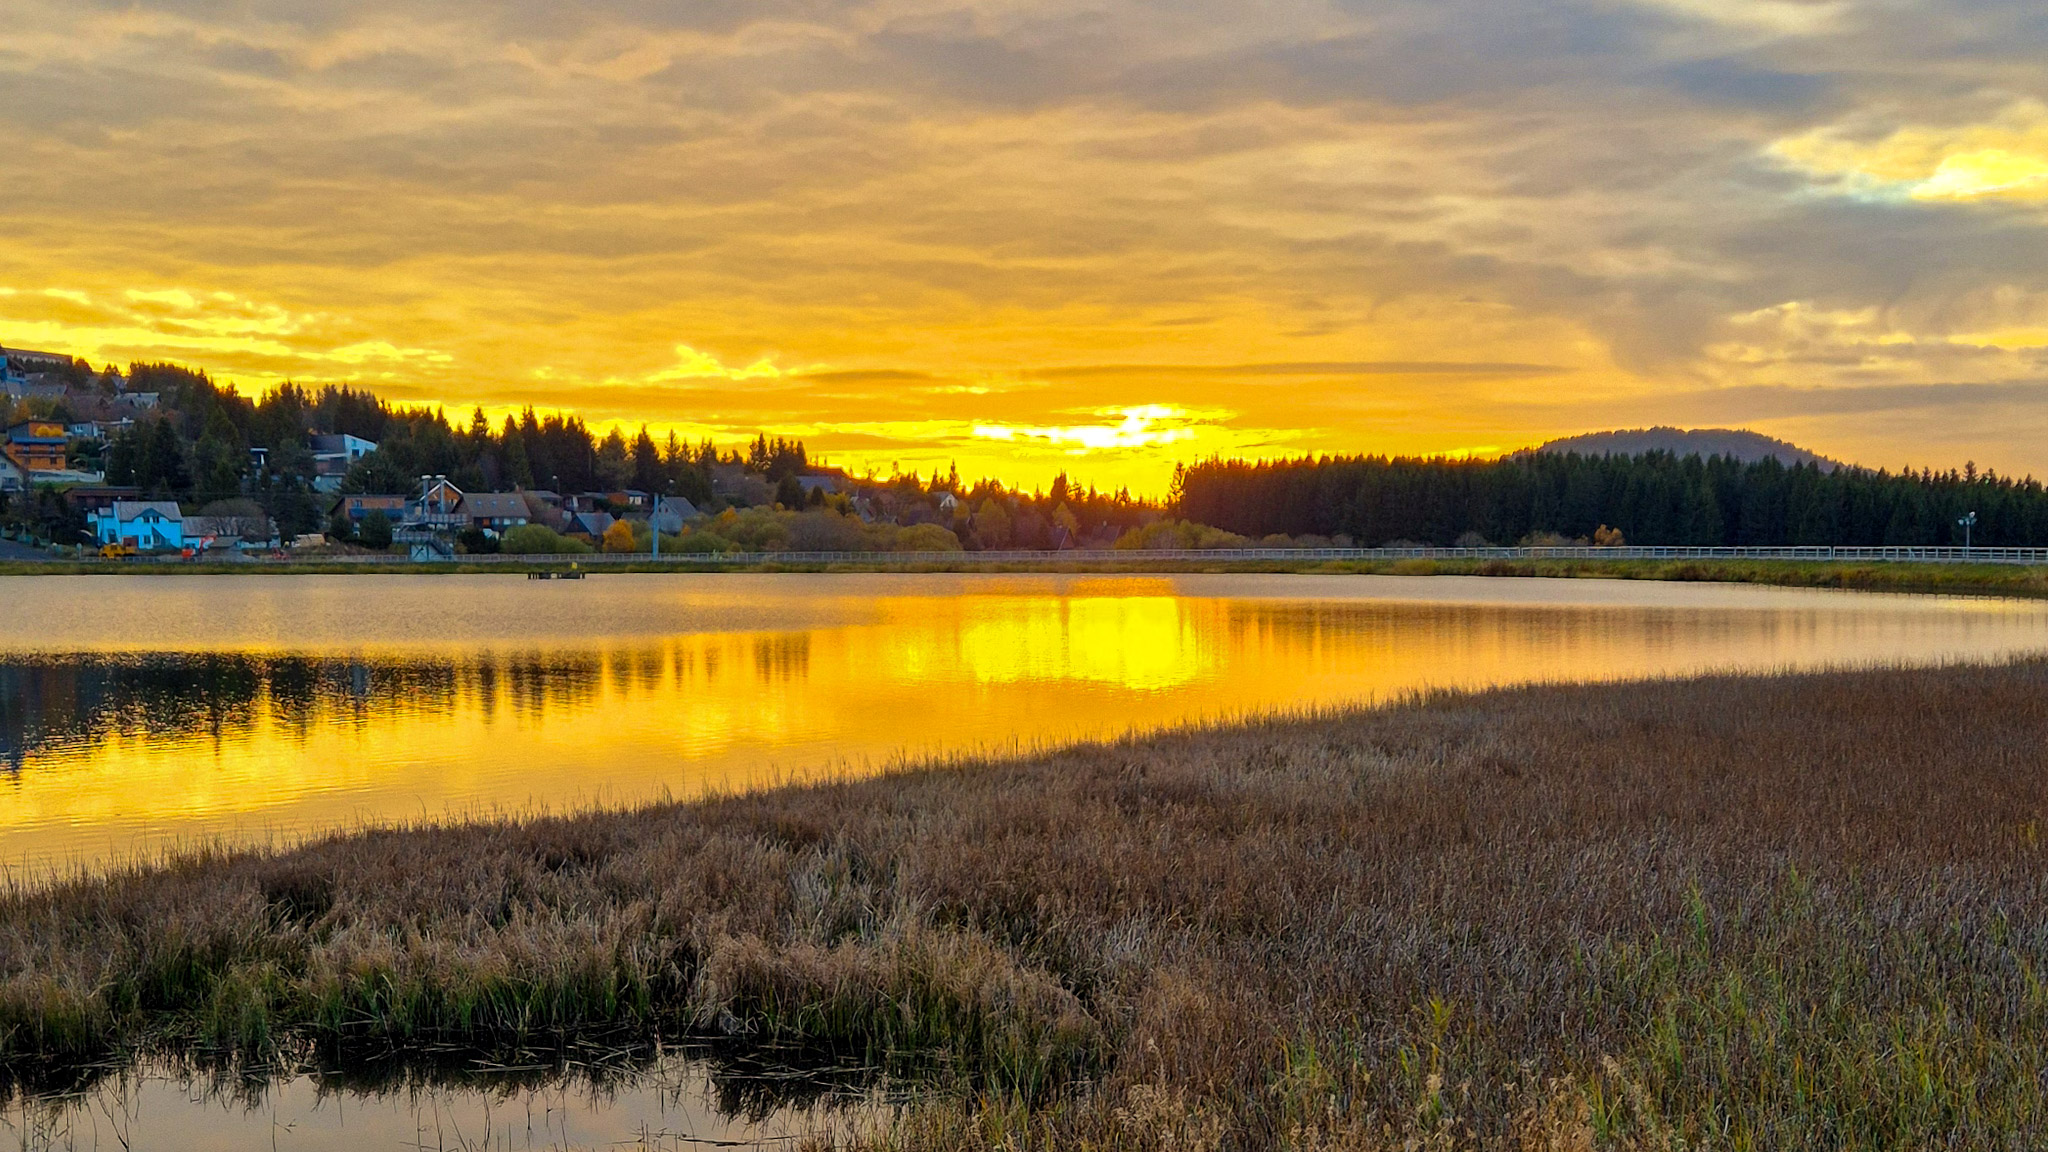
(925, 538)
(1166, 534)
(539, 540)
(700, 542)
(375, 532)
(476, 541)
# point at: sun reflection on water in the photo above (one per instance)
(628, 689)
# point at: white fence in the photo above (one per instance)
(695, 560)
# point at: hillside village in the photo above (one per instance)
(159, 460)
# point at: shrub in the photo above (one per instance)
(376, 531)
(1167, 534)
(925, 538)
(540, 540)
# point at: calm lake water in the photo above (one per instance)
(674, 1104)
(140, 712)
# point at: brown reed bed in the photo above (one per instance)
(1793, 912)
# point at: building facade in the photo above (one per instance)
(144, 525)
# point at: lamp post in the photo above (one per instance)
(654, 524)
(1967, 522)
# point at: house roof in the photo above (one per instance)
(337, 442)
(241, 527)
(593, 523)
(29, 355)
(131, 509)
(37, 432)
(495, 505)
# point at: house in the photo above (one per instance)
(146, 525)
(37, 445)
(437, 507)
(239, 533)
(36, 386)
(16, 364)
(357, 506)
(140, 400)
(28, 360)
(435, 513)
(333, 455)
(84, 430)
(813, 481)
(495, 511)
(13, 477)
(672, 514)
(91, 498)
(631, 499)
(591, 524)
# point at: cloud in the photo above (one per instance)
(2004, 157)
(1387, 225)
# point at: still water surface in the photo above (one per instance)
(671, 1104)
(140, 712)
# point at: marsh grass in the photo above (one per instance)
(1773, 912)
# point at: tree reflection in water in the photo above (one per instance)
(76, 702)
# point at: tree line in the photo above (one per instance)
(196, 447)
(1652, 499)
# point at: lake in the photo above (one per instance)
(143, 712)
(673, 1103)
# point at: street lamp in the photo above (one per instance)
(1967, 522)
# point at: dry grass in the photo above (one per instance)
(1732, 913)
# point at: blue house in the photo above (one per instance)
(145, 525)
(334, 455)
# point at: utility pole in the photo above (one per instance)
(654, 522)
(1968, 522)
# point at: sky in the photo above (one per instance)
(1098, 236)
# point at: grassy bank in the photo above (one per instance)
(1735, 913)
(1973, 579)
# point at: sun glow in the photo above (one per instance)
(2005, 158)
(1142, 426)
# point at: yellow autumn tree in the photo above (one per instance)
(619, 537)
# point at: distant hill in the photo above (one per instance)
(1748, 447)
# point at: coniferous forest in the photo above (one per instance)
(1652, 499)
(196, 447)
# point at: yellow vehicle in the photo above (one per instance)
(116, 551)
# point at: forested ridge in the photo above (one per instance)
(1655, 498)
(208, 446)
(196, 447)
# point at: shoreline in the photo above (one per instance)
(1994, 579)
(1547, 909)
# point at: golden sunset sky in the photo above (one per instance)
(1098, 235)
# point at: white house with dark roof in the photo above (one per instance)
(145, 525)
